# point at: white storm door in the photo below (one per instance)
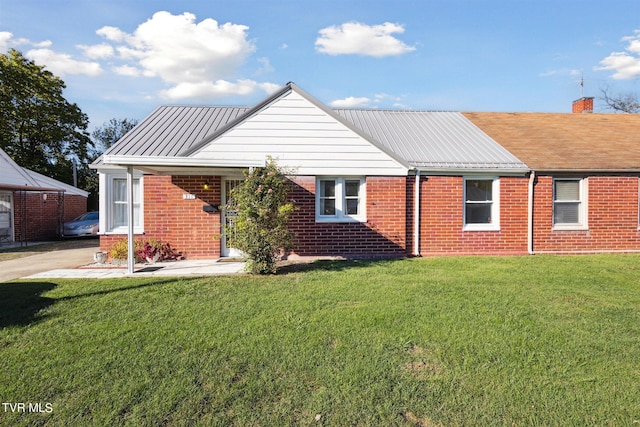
(229, 214)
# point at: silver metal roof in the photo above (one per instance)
(432, 139)
(428, 140)
(170, 130)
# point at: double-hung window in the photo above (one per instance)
(481, 204)
(113, 205)
(340, 199)
(119, 216)
(569, 203)
(5, 210)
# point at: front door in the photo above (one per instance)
(229, 213)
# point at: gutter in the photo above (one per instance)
(633, 170)
(532, 179)
(120, 160)
(416, 216)
(459, 171)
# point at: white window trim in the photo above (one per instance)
(495, 205)
(583, 223)
(340, 216)
(106, 203)
(11, 212)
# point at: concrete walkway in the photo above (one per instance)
(173, 268)
(76, 263)
(32, 264)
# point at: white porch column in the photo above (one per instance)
(130, 224)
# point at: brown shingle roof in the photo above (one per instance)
(578, 142)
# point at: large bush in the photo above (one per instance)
(260, 229)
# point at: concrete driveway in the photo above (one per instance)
(69, 254)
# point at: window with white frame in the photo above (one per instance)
(481, 204)
(117, 217)
(569, 203)
(340, 199)
(5, 210)
(119, 213)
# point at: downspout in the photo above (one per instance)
(416, 216)
(130, 242)
(532, 178)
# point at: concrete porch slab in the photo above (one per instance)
(176, 269)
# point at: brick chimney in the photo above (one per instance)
(583, 105)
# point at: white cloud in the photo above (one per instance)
(561, 72)
(266, 66)
(179, 50)
(385, 99)
(61, 63)
(128, 53)
(626, 65)
(198, 59)
(58, 63)
(43, 44)
(194, 59)
(97, 51)
(355, 38)
(127, 70)
(350, 102)
(7, 41)
(220, 88)
(112, 33)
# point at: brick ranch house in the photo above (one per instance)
(32, 206)
(382, 182)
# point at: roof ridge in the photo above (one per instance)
(395, 110)
(202, 106)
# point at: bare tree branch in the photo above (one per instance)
(624, 103)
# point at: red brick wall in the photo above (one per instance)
(442, 218)
(383, 234)
(194, 233)
(612, 217)
(388, 231)
(74, 206)
(582, 105)
(40, 217)
(181, 223)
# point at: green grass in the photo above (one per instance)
(438, 341)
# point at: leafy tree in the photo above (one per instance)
(260, 229)
(103, 138)
(39, 128)
(624, 103)
(110, 132)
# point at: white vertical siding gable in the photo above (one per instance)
(302, 137)
(12, 174)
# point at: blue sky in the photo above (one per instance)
(122, 58)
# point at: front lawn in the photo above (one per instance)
(534, 340)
